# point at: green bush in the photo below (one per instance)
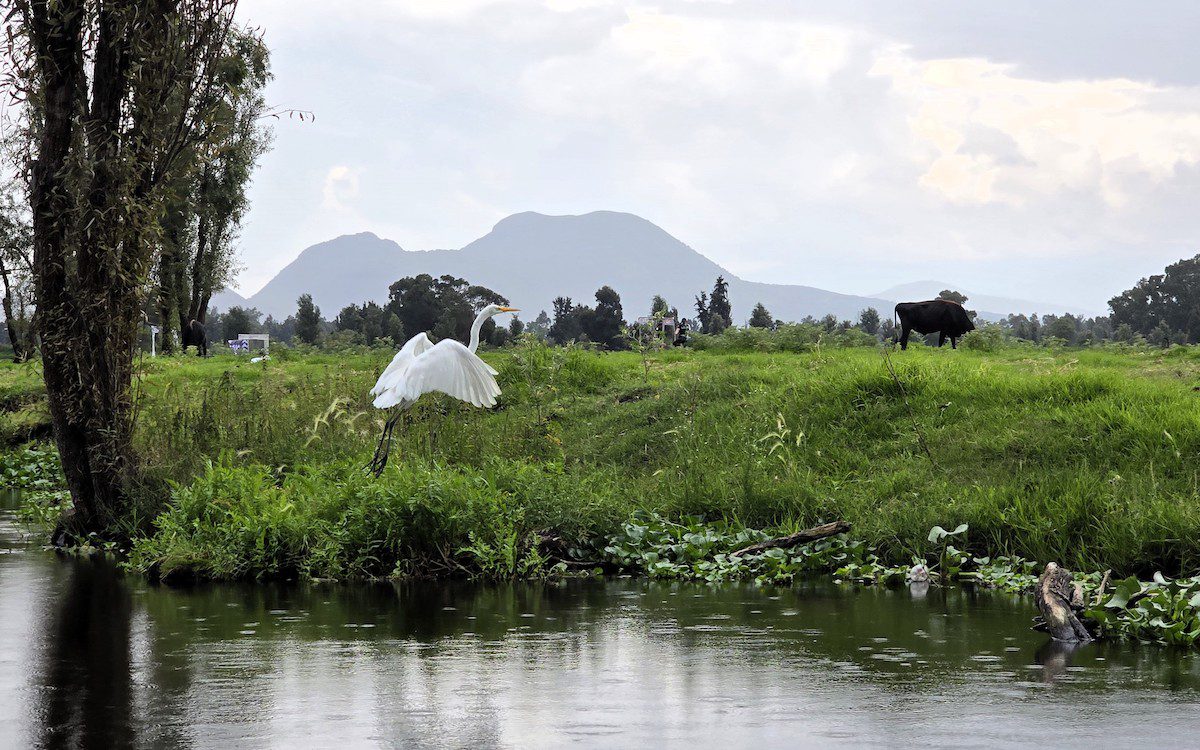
(986, 338)
(789, 337)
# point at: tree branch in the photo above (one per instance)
(814, 534)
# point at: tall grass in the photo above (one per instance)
(1084, 457)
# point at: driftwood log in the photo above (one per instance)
(1059, 598)
(800, 537)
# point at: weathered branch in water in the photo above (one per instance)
(1103, 587)
(1058, 597)
(800, 537)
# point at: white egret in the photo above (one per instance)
(422, 366)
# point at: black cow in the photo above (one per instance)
(948, 318)
(193, 334)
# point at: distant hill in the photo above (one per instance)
(532, 258)
(227, 298)
(989, 306)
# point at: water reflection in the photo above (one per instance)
(1055, 658)
(919, 589)
(115, 662)
(87, 678)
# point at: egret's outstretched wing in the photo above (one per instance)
(448, 367)
(404, 358)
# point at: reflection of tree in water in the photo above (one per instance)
(86, 695)
(1055, 658)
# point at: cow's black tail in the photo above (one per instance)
(896, 329)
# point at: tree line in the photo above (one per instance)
(1160, 310)
(445, 306)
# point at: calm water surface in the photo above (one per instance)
(89, 658)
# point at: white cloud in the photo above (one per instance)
(1094, 136)
(654, 59)
(341, 188)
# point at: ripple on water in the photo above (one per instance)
(894, 658)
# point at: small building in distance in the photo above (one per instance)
(262, 339)
(666, 326)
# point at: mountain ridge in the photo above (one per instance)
(531, 258)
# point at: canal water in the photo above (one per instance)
(92, 658)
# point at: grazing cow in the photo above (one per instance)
(194, 334)
(948, 318)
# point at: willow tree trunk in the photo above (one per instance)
(14, 335)
(168, 300)
(198, 303)
(91, 411)
(113, 83)
(87, 299)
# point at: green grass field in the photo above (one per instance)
(1087, 457)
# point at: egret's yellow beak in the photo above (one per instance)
(510, 309)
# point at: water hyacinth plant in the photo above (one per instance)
(695, 550)
(33, 467)
(1012, 574)
(1160, 611)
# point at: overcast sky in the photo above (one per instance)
(1025, 148)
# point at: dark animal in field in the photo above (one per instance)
(949, 319)
(193, 334)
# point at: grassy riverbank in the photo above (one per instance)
(1085, 457)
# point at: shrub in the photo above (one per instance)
(788, 337)
(989, 337)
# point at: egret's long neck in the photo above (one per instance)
(480, 319)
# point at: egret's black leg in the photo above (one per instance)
(379, 460)
(384, 449)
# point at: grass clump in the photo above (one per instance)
(335, 521)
